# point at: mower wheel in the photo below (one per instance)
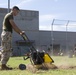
(22, 66)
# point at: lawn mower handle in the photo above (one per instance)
(24, 36)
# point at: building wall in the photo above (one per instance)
(28, 21)
(66, 43)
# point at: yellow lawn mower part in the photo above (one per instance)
(47, 58)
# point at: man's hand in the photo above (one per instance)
(23, 32)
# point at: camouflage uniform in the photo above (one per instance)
(6, 46)
(6, 38)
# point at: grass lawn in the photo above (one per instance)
(67, 66)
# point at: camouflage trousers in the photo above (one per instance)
(6, 38)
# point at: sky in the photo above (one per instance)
(60, 14)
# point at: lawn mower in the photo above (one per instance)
(37, 58)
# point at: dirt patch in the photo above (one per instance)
(66, 67)
(48, 66)
(35, 68)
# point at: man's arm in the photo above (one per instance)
(15, 27)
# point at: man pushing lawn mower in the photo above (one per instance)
(6, 36)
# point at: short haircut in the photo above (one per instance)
(15, 7)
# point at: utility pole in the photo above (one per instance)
(52, 38)
(8, 5)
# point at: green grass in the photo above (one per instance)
(15, 61)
